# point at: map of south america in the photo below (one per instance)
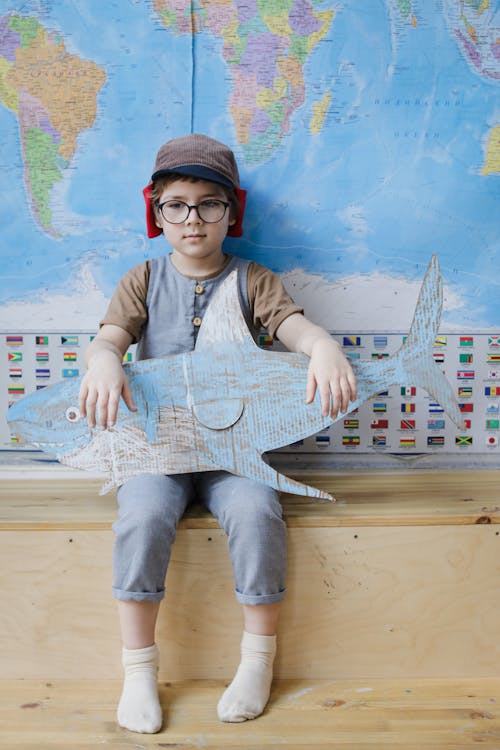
(54, 96)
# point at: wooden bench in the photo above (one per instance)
(390, 633)
(398, 578)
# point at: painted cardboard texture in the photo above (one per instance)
(224, 404)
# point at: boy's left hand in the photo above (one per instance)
(331, 374)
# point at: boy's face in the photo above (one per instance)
(196, 244)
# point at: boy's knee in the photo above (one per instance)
(257, 516)
(145, 524)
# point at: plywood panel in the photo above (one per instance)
(366, 601)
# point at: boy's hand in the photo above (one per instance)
(330, 373)
(329, 369)
(102, 386)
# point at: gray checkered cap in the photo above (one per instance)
(199, 156)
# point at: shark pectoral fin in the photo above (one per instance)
(262, 472)
(285, 484)
(107, 487)
(219, 414)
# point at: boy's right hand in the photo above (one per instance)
(102, 386)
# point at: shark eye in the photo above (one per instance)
(72, 414)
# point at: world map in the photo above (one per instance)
(368, 137)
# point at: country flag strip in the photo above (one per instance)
(322, 439)
(435, 408)
(265, 339)
(466, 341)
(407, 408)
(408, 391)
(69, 340)
(435, 440)
(351, 424)
(407, 424)
(13, 340)
(492, 390)
(379, 424)
(350, 440)
(351, 341)
(440, 341)
(16, 390)
(435, 424)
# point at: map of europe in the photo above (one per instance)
(368, 137)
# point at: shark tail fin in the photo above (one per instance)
(415, 356)
(427, 314)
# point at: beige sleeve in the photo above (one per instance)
(128, 308)
(268, 299)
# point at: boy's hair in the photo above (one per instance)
(161, 183)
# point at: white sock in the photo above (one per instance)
(139, 709)
(247, 695)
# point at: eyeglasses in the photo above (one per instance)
(210, 211)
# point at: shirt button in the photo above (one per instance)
(199, 289)
(197, 321)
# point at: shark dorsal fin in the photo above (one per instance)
(224, 320)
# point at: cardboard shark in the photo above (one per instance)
(224, 404)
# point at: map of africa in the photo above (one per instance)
(368, 137)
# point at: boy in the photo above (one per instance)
(194, 199)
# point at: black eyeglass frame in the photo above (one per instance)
(226, 205)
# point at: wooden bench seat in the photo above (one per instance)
(398, 579)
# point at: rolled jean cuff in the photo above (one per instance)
(261, 599)
(138, 596)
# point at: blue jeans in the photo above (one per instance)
(150, 508)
